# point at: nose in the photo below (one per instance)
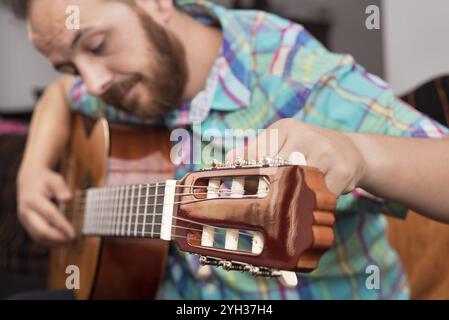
(96, 77)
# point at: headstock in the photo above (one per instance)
(257, 217)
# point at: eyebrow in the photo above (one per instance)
(77, 37)
(73, 44)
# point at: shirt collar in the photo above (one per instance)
(228, 87)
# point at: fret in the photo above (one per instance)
(97, 210)
(125, 210)
(119, 211)
(111, 210)
(138, 210)
(154, 210)
(145, 211)
(114, 210)
(74, 218)
(92, 214)
(92, 210)
(116, 217)
(87, 224)
(159, 210)
(107, 210)
(111, 199)
(100, 211)
(130, 211)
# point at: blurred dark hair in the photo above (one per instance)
(20, 8)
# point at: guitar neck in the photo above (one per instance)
(144, 211)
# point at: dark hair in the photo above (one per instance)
(20, 8)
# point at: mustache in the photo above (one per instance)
(113, 96)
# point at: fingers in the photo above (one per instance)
(267, 143)
(50, 213)
(40, 230)
(329, 151)
(39, 215)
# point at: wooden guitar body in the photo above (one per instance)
(113, 268)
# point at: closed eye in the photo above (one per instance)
(68, 68)
(99, 49)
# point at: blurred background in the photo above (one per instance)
(409, 49)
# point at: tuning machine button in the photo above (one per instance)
(208, 261)
(287, 278)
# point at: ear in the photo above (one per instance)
(160, 10)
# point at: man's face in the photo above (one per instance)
(123, 55)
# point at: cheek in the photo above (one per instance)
(143, 94)
(122, 64)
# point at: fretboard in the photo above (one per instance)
(130, 211)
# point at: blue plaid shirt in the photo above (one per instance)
(270, 68)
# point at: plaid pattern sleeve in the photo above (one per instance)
(350, 99)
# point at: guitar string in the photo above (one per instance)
(136, 187)
(107, 221)
(110, 220)
(154, 234)
(108, 227)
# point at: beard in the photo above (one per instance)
(168, 75)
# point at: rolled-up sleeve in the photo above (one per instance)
(350, 99)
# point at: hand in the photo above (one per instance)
(38, 214)
(330, 151)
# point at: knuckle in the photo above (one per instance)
(345, 174)
(327, 151)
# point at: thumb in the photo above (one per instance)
(59, 187)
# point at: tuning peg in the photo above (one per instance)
(288, 279)
(252, 163)
(230, 266)
(267, 161)
(216, 164)
(204, 261)
(239, 162)
(279, 161)
(226, 265)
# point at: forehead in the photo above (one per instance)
(47, 23)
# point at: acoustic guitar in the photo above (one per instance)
(269, 218)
